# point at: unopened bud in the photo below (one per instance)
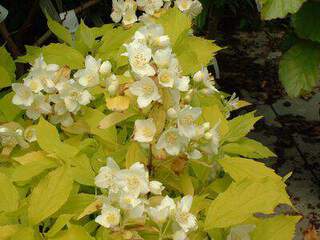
(208, 135)
(172, 113)
(206, 126)
(105, 68)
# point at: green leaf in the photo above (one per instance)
(87, 35)
(7, 62)
(9, 199)
(7, 231)
(60, 31)
(299, 68)
(272, 9)
(82, 171)
(242, 168)
(25, 233)
(241, 200)
(213, 115)
(135, 154)
(5, 78)
(114, 118)
(32, 53)
(248, 148)
(174, 23)
(61, 221)
(194, 52)
(53, 144)
(73, 232)
(240, 126)
(9, 110)
(61, 54)
(275, 228)
(49, 195)
(304, 21)
(28, 171)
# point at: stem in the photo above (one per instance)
(150, 164)
(11, 44)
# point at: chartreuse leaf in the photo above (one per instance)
(5, 78)
(60, 31)
(61, 221)
(114, 118)
(186, 186)
(194, 52)
(275, 228)
(82, 171)
(87, 35)
(272, 9)
(32, 53)
(49, 195)
(241, 200)
(73, 232)
(8, 231)
(248, 148)
(135, 154)
(7, 68)
(28, 171)
(213, 115)
(174, 23)
(25, 233)
(304, 21)
(62, 54)
(240, 126)
(241, 168)
(49, 140)
(299, 68)
(9, 199)
(8, 110)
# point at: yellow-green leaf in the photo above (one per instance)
(82, 171)
(248, 148)
(63, 55)
(5, 78)
(32, 53)
(49, 195)
(74, 232)
(114, 118)
(275, 228)
(9, 199)
(7, 231)
(60, 31)
(9, 110)
(61, 221)
(135, 154)
(241, 200)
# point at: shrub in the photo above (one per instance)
(120, 132)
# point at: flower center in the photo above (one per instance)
(165, 78)
(147, 89)
(187, 120)
(182, 217)
(139, 60)
(171, 138)
(147, 132)
(111, 218)
(133, 182)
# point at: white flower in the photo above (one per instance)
(107, 175)
(105, 68)
(66, 119)
(156, 187)
(184, 5)
(153, 35)
(150, 6)
(30, 134)
(182, 83)
(172, 141)
(215, 139)
(89, 77)
(166, 77)
(118, 8)
(180, 235)
(186, 220)
(144, 130)
(186, 121)
(23, 95)
(129, 201)
(129, 15)
(146, 90)
(110, 216)
(11, 134)
(195, 154)
(241, 232)
(195, 9)
(35, 84)
(162, 57)
(139, 58)
(136, 212)
(38, 107)
(160, 213)
(201, 75)
(134, 180)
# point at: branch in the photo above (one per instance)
(11, 44)
(77, 10)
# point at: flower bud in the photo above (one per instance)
(105, 68)
(208, 135)
(198, 76)
(112, 89)
(206, 126)
(172, 113)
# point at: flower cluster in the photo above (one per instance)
(156, 69)
(13, 134)
(128, 200)
(48, 90)
(125, 10)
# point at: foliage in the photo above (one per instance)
(299, 66)
(154, 130)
